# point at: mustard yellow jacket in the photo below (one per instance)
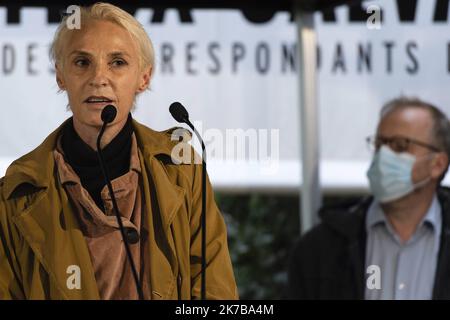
(40, 238)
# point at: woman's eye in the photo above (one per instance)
(118, 63)
(81, 62)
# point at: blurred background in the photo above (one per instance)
(236, 70)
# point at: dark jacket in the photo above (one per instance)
(328, 262)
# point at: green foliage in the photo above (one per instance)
(261, 232)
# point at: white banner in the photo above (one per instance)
(233, 74)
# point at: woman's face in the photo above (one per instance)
(100, 67)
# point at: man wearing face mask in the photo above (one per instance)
(394, 244)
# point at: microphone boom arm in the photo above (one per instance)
(116, 209)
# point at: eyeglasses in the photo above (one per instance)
(397, 143)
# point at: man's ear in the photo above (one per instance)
(59, 78)
(145, 79)
(440, 164)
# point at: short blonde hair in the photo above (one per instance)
(107, 12)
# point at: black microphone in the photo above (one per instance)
(108, 115)
(180, 114)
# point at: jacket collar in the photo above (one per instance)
(348, 221)
(34, 168)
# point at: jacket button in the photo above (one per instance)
(131, 235)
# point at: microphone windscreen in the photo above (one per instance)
(178, 112)
(109, 113)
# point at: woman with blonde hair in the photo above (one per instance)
(59, 236)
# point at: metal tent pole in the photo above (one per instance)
(310, 191)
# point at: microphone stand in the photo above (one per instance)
(116, 210)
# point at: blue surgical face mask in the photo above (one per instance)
(390, 175)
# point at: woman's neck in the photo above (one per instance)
(89, 134)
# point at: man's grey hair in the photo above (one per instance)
(441, 123)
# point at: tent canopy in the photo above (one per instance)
(257, 5)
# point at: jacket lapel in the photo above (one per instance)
(50, 228)
(442, 278)
(165, 199)
(356, 252)
(350, 224)
(357, 248)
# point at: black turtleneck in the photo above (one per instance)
(84, 160)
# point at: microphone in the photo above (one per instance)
(180, 114)
(108, 115)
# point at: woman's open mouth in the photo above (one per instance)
(98, 101)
